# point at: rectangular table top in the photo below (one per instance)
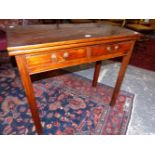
(34, 36)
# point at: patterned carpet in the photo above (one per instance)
(67, 104)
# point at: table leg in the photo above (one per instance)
(121, 74)
(96, 73)
(28, 87)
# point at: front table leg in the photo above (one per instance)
(27, 84)
(121, 74)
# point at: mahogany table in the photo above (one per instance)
(40, 48)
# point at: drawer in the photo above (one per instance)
(49, 60)
(56, 57)
(115, 48)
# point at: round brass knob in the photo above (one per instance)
(109, 48)
(53, 56)
(116, 47)
(66, 55)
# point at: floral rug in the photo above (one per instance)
(67, 104)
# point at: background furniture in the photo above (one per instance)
(3, 45)
(2, 40)
(144, 26)
(4, 23)
(117, 22)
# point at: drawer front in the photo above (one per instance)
(56, 57)
(63, 58)
(115, 48)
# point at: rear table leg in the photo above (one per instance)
(96, 73)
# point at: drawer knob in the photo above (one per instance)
(53, 56)
(109, 48)
(116, 47)
(66, 55)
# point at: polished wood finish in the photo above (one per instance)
(141, 27)
(122, 47)
(48, 37)
(27, 84)
(96, 73)
(56, 59)
(122, 70)
(42, 48)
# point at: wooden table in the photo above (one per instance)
(40, 48)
